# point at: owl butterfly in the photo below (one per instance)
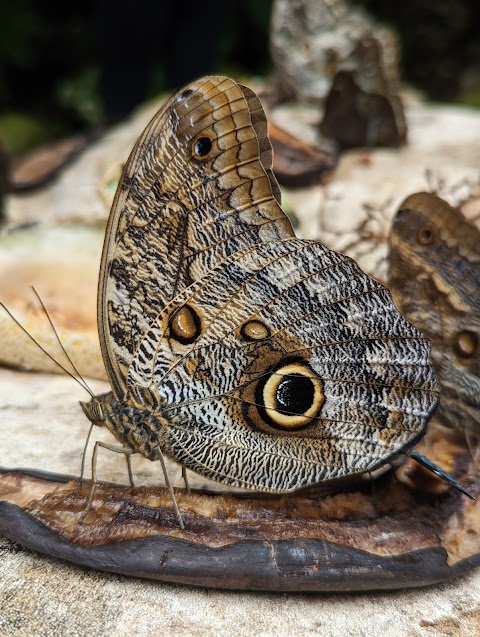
(435, 281)
(247, 355)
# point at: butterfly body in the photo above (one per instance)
(249, 356)
(435, 280)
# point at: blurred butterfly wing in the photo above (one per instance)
(197, 187)
(448, 260)
(435, 281)
(335, 383)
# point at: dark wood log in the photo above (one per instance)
(291, 543)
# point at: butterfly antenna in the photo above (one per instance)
(430, 466)
(74, 367)
(82, 383)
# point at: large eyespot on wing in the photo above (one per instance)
(290, 396)
(197, 187)
(298, 369)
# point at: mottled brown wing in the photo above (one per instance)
(284, 366)
(249, 356)
(197, 187)
(435, 281)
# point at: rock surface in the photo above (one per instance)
(42, 425)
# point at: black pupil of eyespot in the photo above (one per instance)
(426, 235)
(202, 146)
(294, 394)
(184, 95)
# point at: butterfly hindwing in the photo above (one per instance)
(297, 362)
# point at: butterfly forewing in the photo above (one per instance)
(178, 212)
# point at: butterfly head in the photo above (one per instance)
(94, 410)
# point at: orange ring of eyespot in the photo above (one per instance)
(427, 233)
(269, 400)
(185, 325)
(466, 343)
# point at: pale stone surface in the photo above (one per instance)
(353, 212)
(61, 263)
(42, 426)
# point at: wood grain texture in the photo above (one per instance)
(352, 541)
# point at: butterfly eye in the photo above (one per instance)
(466, 344)
(290, 397)
(185, 325)
(201, 147)
(254, 331)
(426, 234)
(93, 410)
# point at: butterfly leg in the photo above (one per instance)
(84, 455)
(127, 453)
(170, 490)
(371, 480)
(185, 479)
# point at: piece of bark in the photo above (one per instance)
(296, 163)
(354, 539)
(41, 165)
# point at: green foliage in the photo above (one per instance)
(244, 44)
(20, 131)
(18, 26)
(470, 97)
(49, 64)
(78, 93)
(259, 12)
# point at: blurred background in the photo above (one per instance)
(70, 67)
